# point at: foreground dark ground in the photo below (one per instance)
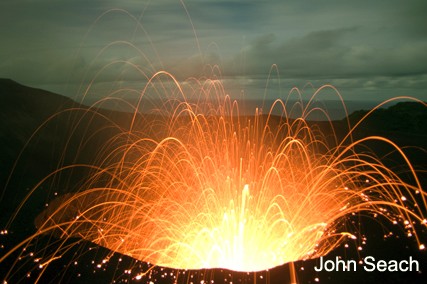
(23, 110)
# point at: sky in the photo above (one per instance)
(368, 50)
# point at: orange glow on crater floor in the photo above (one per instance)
(201, 187)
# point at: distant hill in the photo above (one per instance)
(14, 95)
(23, 110)
(405, 117)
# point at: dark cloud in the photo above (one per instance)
(324, 54)
(359, 45)
(410, 19)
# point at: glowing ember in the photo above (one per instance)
(201, 188)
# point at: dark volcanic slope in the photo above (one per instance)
(54, 134)
(403, 123)
(22, 111)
